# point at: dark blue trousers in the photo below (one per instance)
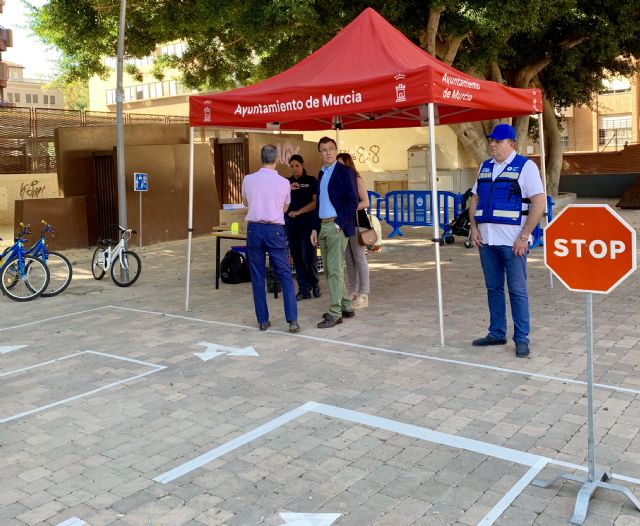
(303, 252)
(262, 239)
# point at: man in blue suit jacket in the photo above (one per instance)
(334, 222)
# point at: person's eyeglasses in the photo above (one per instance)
(327, 150)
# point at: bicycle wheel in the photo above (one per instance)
(26, 283)
(126, 268)
(97, 268)
(60, 273)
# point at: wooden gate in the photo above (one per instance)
(106, 193)
(231, 164)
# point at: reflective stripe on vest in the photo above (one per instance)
(500, 201)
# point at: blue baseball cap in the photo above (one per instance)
(503, 131)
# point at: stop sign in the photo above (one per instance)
(590, 248)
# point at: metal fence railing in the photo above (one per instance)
(27, 134)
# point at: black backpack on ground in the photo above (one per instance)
(234, 268)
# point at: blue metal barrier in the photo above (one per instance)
(413, 208)
(538, 231)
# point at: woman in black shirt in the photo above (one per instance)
(299, 225)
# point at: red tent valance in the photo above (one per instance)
(368, 76)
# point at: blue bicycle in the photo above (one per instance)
(22, 277)
(60, 269)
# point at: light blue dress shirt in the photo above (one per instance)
(326, 208)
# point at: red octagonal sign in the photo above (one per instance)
(590, 248)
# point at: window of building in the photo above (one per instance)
(614, 130)
(10, 97)
(616, 85)
(28, 98)
(16, 97)
(35, 98)
(564, 136)
(111, 96)
(45, 99)
(52, 99)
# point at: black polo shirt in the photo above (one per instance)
(303, 195)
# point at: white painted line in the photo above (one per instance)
(233, 444)
(213, 350)
(427, 357)
(39, 409)
(73, 521)
(54, 318)
(309, 519)
(512, 494)
(10, 348)
(468, 444)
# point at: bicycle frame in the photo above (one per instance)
(15, 251)
(110, 254)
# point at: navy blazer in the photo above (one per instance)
(343, 194)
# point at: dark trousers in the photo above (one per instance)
(303, 253)
(262, 239)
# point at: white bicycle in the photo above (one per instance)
(125, 264)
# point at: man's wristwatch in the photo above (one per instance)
(338, 227)
(524, 238)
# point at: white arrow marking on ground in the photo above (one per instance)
(9, 348)
(73, 521)
(309, 519)
(213, 350)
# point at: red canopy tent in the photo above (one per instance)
(368, 76)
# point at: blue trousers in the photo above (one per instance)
(498, 261)
(262, 239)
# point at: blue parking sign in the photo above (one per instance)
(140, 182)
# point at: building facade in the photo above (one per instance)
(149, 95)
(30, 93)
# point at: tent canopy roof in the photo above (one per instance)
(368, 76)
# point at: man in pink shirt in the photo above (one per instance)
(267, 194)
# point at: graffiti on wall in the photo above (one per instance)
(366, 155)
(285, 151)
(31, 190)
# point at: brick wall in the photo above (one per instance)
(626, 160)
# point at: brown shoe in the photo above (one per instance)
(328, 322)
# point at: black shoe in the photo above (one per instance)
(345, 314)
(487, 340)
(316, 292)
(522, 350)
(264, 325)
(328, 322)
(294, 326)
(303, 296)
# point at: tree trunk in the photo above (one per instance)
(472, 137)
(553, 145)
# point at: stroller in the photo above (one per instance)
(460, 226)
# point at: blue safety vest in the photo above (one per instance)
(500, 201)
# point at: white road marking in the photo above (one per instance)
(212, 350)
(10, 348)
(512, 494)
(427, 357)
(309, 519)
(155, 367)
(55, 318)
(73, 521)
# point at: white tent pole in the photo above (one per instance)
(543, 174)
(435, 209)
(190, 220)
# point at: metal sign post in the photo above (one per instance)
(590, 248)
(140, 184)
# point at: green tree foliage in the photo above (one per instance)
(564, 46)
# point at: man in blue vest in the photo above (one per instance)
(507, 203)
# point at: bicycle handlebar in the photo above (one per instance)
(47, 228)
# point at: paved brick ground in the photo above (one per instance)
(95, 457)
